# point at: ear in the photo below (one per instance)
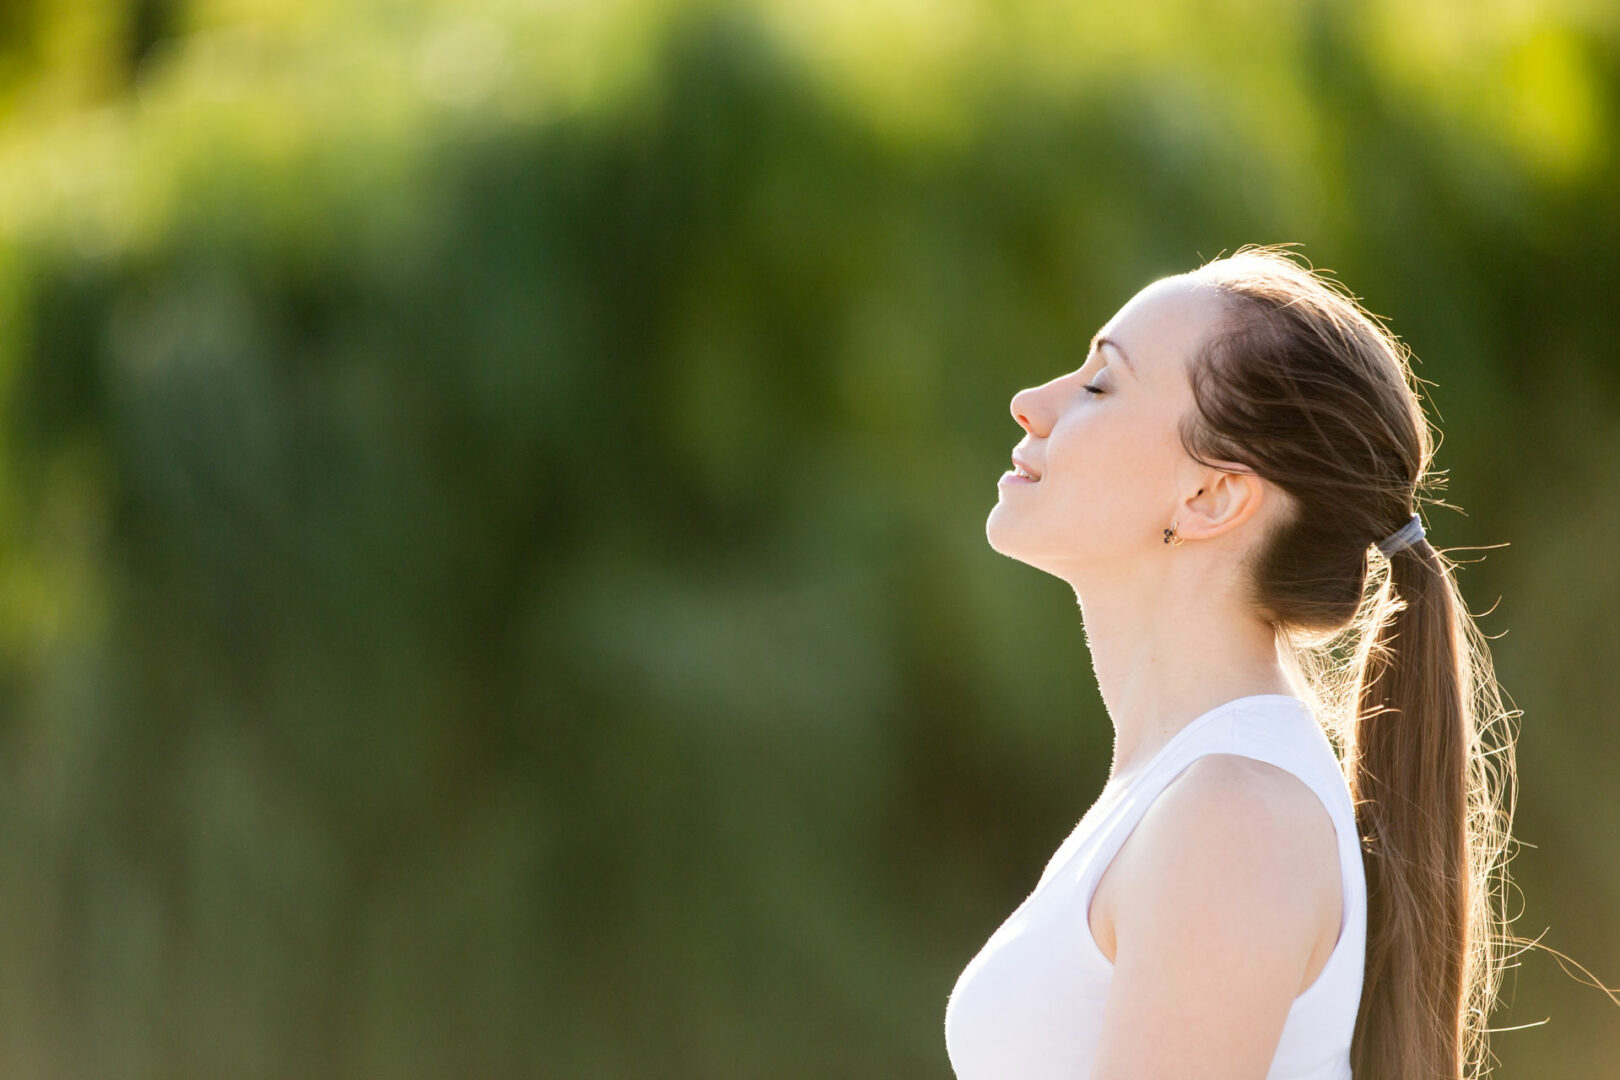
(1222, 499)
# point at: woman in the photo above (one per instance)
(1243, 900)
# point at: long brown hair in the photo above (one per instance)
(1304, 386)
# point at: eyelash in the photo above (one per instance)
(1093, 389)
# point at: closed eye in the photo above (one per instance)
(1093, 389)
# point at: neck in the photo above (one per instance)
(1168, 652)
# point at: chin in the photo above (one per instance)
(1000, 534)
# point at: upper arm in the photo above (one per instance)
(1214, 924)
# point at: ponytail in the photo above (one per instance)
(1429, 808)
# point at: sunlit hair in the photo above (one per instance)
(1305, 387)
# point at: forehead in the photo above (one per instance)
(1163, 325)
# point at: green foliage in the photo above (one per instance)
(491, 503)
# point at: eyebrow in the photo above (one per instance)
(1099, 341)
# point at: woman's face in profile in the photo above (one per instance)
(1103, 440)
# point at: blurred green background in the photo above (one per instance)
(492, 570)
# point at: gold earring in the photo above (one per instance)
(1171, 538)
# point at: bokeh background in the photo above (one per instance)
(492, 570)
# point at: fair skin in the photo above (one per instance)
(1224, 902)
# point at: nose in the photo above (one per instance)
(1025, 409)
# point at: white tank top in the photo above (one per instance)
(1030, 1004)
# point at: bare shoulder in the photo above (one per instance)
(1223, 907)
(1241, 829)
(1257, 793)
(1223, 904)
(1247, 817)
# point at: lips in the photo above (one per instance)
(1024, 465)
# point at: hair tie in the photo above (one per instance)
(1405, 536)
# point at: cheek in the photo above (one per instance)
(1096, 449)
(1113, 469)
